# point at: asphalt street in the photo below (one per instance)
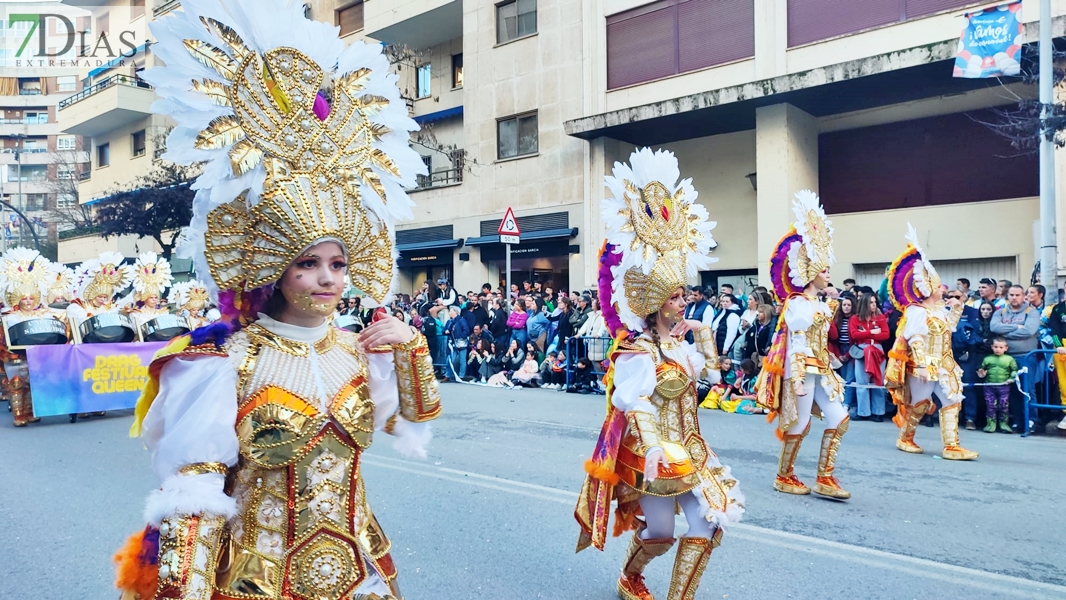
(490, 513)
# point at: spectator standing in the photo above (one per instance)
(840, 346)
(869, 329)
(458, 331)
(700, 308)
(516, 323)
(1003, 290)
(561, 317)
(999, 370)
(498, 320)
(581, 312)
(963, 286)
(537, 324)
(986, 294)
(1018, 323)
(966, 343)
(447, 295)
(1056, 323)
(760, 335)
(726, 324)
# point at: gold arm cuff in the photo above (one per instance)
(799, 366)
(203, 468)
(419, 396)
(705, 342)
(917, 346)
(188, 551)
(646, 429)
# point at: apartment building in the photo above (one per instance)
(39, 164)
(112, 113)
(528, 103)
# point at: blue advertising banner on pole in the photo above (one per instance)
(991, 43)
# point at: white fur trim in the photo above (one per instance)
(188, 495)
(411, 438)
(733, 512)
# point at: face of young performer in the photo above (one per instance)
(152, 302)
(313, 284)
(100, 301)
(821, 281)
(27, 303)
(674, 307)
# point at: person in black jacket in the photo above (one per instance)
(760, 335)
(565, 330)
(498, 321)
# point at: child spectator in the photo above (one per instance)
(547, 373)
(729, 374)
(529, 374)
(584, 379)
(741, 398)
(1000, 370)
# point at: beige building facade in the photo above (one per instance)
(528, 103)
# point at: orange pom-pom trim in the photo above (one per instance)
(601, 473)
(131, 574)
(623, 522)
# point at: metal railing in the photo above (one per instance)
(166, 7)
(593, 348)
(1037, 367)
(29, 92)
(34, 121)
(24, 150)
(440, 178)
(85, 176)
(127, 80)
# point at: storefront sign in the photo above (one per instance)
(81, 378)
(531, 249)
(425, 258)
(991, 43)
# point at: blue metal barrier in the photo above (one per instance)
(1038, 363)
(593, 348)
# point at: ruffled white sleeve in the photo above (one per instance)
(192, 420)
(411, 439)
(76, 315)
(634, 382)
(916, 323)
(799, 317)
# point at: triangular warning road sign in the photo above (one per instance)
(509, 225)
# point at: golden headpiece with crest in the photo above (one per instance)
(305, 140)
(189, 295)
(24, 273)
(60, 283)
(104, 276)
(151, 275)
(661, 233)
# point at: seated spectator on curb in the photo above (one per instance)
(584, 378)
(529, 374)
(741, 396)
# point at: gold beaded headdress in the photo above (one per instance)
(104, 276)
(60, 283)
(815, 253)
(663, 235)
(24, 273)
(189, 295)
(151, 276)
(305, 139)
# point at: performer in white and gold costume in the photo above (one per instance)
(921, 362)
(60, 289)
(257, 424)
(151, 276)
(97, 281)
(189, 298)
(650, 455)
(24, 279)
(797, 379)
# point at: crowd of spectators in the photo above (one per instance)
(535, 336)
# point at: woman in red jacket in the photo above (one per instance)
(868, 327)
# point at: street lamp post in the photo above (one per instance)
(21, 203)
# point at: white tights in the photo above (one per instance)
(833, 412)
(925, 390)
(659, 517)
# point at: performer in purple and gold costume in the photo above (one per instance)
(650, 455)
(257, 424)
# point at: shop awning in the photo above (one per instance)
(433, 245)
(454, 111)
(545, 234)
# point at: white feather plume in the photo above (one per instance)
(923, 269)
(803, 203)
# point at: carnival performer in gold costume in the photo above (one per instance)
(97, 282)
(60, 286)
(650, 455)
(797, 379)
(921, 362)
(24, 279)
(257, 423)
(151, 276)
(189, 298)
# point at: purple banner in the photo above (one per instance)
(81, 378)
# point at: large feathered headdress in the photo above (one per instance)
(806, 250)
(104, 276)
(24, 273)
(60, 282)
(657, 237)
(188, 295)
(305, 140)
(151, 276)
(911, 277)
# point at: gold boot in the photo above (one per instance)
(786, 480)
(906, 434)
(949, 431)
(21, 404)
(692, 556)
(631, 582)
(827, 485)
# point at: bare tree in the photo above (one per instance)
(1021, 122)
(68, 212)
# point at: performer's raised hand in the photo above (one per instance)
(684, 326)
(385, 332)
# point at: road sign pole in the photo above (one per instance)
(509, 234)
(507, 265)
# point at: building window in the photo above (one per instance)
(64, 172)
(350, 18)
(66, 142)
(457, 70)
(103, 155)
(66, 83)
(515, 19)
(36, 201)
(806, 22)
(517, 136)
(35, 118)
(425, 80)
(139, 143)
(136, 8)
(66, 201)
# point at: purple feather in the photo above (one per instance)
(150, 546)
(609, 258)
(321, 107)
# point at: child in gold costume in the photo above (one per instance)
(650, 455)
(257, 423)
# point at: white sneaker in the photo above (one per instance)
(1062, 424)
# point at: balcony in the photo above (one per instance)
(440, 178)
(165, 7)
(414, 23)
(107, 105)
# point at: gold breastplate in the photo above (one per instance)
(303, 524)
(938, 346)
(676, 399)
(818, 342)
